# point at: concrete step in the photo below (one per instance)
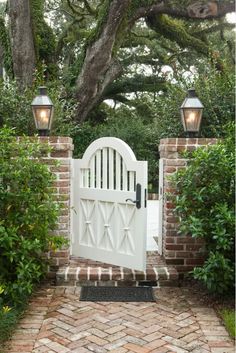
(84, 272)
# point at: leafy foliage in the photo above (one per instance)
(15, 109)
(205, 205)
(228, 317)
(216, 91)
(28, 214)
(8, 318)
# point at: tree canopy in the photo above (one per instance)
(107, 49)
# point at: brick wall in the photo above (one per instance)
(62, 149)
(183, 252)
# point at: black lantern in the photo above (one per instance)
(191, 113)
(42, 108)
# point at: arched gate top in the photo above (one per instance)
(110, 142)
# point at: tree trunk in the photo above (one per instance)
(22, 42)
(99, 68)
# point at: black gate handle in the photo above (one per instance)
(138, 196)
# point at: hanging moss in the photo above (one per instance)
(5, 43)
(175, 31)
(44, 38)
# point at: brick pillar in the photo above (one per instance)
(62, 149)
(183, 252)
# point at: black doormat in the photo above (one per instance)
(117, 294)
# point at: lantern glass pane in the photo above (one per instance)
(42, 117)
(192, 119)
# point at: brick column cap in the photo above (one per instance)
(55, 139)
(188, 141)
(58, 143)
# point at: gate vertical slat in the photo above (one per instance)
(124, 176)
(98, 169)
(92, 172)
(111, 168)
(118, 172)
(104, 168)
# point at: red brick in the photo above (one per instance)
(60, 169)
(183, 254)
(93, 274)
(137, 349)
(174, 261)
(64, 176)
(170, 240)
(184, 268)
(203, 141)
(192, 141)
(174, 247)
(59, 253)
(185, 240)
(61, 183)
(64, 191)
(171, 233)
(199, 261)
(172, 219)
(181, 148)
(169, 169)
(60, 154)
(65, 139)
(175, 162)
(193, 247)
(48, 139)
(182, 141)
(169, 253)
(170, 148)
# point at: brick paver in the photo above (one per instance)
(57, 322)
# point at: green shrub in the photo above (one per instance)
(205, 205)
(228, 316)
(8, 319)
(27, 215)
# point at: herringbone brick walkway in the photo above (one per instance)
(57, 322)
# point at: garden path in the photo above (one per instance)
(179, 322)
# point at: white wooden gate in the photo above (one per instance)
(107, 225)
